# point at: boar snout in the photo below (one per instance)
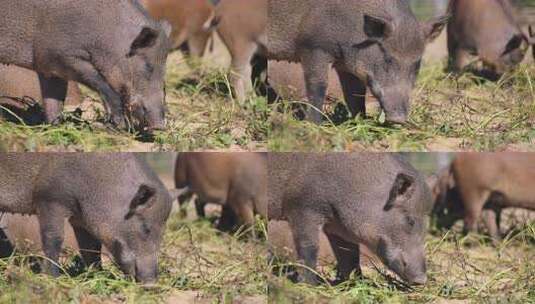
(147, 270)
(408, 264)
(150, 116)
(143, 269)
(394, 100)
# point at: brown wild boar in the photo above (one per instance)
(193, 22)
(17, 84)
(110, 199)
(242, 28)
(23, 231)
(288, 81)
(237, 181)
(375, 44)
(485, 181)
(112, 47)
(378, 200)
(281, 243)
(488, 30)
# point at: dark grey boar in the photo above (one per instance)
(481, 185)
(486, 29)
(377, 200)
(371, 43)
(19, 86)
(113, 47)
(114, 200)
(237, 181)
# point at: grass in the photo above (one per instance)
(197, 264)
(201, 116)
(448, 113)
(460, 270)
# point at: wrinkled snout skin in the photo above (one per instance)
(384, 210)
(407, 262)
(394, 100)
(144, 268)
(376, 45)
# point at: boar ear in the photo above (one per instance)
(402, 190)
(140, 200)
(531, 32)
(146, 38)
(434, 27)
(377, 28)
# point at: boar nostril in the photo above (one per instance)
(420, 280)
(396, 119)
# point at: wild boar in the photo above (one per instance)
(237, 181)
(486, 29)
(242, 28)
(372, 43)
(114, 200)
(378, 200)
(112, 47)
(193, 22)
(17, 84)
(484, 181)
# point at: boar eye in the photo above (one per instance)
(145, 228)
(416, 66)
(411, 221)
(149, 68)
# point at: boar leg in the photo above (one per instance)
(54, 92)
(227, 221)
(316, 66)
(354, 92)
(6, 248)
(474, 202)
(197, 44)
(305, 228)
(183, 199)
(241, 70)
(347, 257)
(245, 213)
(459, 60)
(90, 247)
(491, 219)
(89, 76)
(51, 223)
(199, 207)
